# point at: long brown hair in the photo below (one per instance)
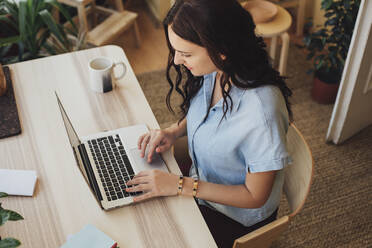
(223, 27)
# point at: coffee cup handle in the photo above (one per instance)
(124, 70)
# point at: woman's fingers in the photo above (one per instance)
(137, 188)
(154, 143)
(140, 139)
(142, 197)
(145, 141)
(162, 148)
(137, 180)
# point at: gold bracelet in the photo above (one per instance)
(195, 187)
(180, 185)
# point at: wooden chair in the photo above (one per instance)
(118, 21)
(298, 178)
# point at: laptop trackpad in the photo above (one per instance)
(142, 164)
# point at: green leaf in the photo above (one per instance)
(12, 8)
(326, 4)
(329, 14)
(50, 49)
(9, 40)
(3, 52)
(43, 37)
(14, 216)
(64, 12)
(9, 21)
(3, 194)
(53, 26)
(4, 216)
(9, 243)
(307, 40)
(21, 50)
(22, 19)
(319, 61)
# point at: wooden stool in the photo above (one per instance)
(273, 29)
(118, 21)
(300, 16)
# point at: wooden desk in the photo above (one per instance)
(62, 203)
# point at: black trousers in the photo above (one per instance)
(225, 230)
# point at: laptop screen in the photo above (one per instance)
(72, 135)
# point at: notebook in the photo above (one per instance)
(17, 182)
(90, 237)
(109, 159)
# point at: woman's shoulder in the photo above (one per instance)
(266, 101)
(266, 93)
(269, 96)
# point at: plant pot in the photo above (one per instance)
(324, 93)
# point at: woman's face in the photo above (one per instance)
(193, 56)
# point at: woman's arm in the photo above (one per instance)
(253, 194)
(179, 129)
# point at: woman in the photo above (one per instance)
(235, 114)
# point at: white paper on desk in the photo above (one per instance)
(17, 182)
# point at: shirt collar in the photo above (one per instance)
(235, 93)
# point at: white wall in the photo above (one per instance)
(353, 108)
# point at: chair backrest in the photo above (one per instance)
(299, 174)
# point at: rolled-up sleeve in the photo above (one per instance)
(265, 145)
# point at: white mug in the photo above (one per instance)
(101, 73)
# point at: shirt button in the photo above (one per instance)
(213, 110)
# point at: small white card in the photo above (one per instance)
(17, 182)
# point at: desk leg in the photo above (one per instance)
(284, 54)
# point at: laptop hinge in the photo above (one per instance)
(90, 174)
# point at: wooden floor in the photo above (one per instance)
(153, 53)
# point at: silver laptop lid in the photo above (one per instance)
(72, 135)
(76, 147)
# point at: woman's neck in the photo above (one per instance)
(217, 91)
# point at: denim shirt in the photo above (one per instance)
(252, 138)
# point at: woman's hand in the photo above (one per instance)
(153, 183)
(156, 141)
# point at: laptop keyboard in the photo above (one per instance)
(113, 166)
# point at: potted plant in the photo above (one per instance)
(5, 215)
(28, 30)
(328, 47)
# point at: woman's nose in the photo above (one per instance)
(177, 58)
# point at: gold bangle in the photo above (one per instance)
(195, 187)
(180, 185)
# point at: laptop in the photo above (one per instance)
(108, 160)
